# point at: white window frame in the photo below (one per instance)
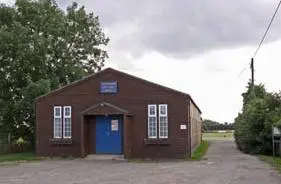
(163, 115)
(57, 116)
(150, 116)
(64, 117)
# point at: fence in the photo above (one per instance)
(5, 143)
(277, 149)
(9, 144)
(276, 141)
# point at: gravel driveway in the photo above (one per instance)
(225, 165)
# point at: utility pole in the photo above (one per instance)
(253, 72)
(253, 77)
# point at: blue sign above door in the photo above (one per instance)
(108, 87)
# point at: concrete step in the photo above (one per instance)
(105, 157)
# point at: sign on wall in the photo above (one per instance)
(114, 125)
(183, 127)
(108, 87)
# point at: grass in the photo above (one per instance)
(218, 135)
(200, 151)
(26, 156)
(273, 161)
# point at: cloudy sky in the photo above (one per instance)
(198, 47)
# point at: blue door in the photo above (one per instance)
(109, 135)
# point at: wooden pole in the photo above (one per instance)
(9, 143)
(280, 147)
(273, 143)
(253, 72)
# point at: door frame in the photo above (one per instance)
(106, 108)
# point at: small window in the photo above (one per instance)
(57, 122)
(58, 111)
(67, 122)
(152, 110)
(67, 111)
(152, 121)
(163, 121)
(163, 109)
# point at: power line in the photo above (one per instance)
(262, 40)
(267, 29)
(243, 70)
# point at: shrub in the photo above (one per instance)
(253, 126)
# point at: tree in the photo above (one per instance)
(39, 41)
(213, 125)
(253, 126)
(259, 91)
(25, 109)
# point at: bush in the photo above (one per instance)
(20, 145)
(17, 146)
(253, 126)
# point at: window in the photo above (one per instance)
(62, 122)
(163, 121)
(158, 127)
(66, 122)
(57, 122)
(152, 121)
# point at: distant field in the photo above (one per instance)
(216, 135)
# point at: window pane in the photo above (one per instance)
(57, 128)
(163, 127)
(163, 109)
(67, 111)
(152, 110)
(163, 121)
(57, 111)
(67, 127)
(152, 127)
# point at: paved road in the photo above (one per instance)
(225, 165)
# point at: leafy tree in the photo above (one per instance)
(25, 108)
(253, 130)
(210, 124)
(259, 91)
(213, 125)
(38, 42)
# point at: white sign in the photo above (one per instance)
(114, 125)
(183, 127)
(276, 131)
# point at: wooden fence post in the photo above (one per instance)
(273, 143)
(9, 143)
(280, 147)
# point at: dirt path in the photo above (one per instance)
(224, 165)
(230, 166)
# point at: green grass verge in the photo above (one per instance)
(26, 156)
(200, 151)
(218, 136)
(273, 161)
(218, 131)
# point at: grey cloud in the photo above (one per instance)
(181, 28)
